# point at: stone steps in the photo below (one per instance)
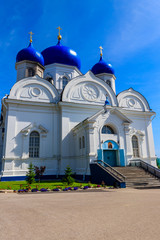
(138, 178)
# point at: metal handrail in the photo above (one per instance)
(148, 167)
(112, 170)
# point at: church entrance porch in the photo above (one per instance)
(111, 154)
(110, 157)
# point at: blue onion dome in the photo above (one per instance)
(30, 54)
(102, 66)
(61, 54)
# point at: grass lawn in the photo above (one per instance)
(16, 185)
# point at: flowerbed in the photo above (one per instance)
(57, 189)
(34, 190)
(44, 190)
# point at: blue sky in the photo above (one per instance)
(129, 32)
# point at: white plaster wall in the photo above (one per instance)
(17, 167)
(17, 144)
(71, 116)
(81, 157)
(150, 139)
(71, 154)
(146, 143)
(57, 71)
(110, 77)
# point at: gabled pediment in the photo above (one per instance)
(34, 127)
(109, 110)
(104, 115)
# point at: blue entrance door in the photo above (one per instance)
(110, 157)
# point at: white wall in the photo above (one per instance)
(17, 143)
(57, 71)
(142, 124)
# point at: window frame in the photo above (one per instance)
(104, 130)
(64, 82)
(109, 82)
(31, 72)
(80, 143)
(83, 142)
(34, 144)
(135, 146)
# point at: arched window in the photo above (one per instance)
(64, 82)
(135, 146)
(34, 142)
(80, 145)
(83, 142)
(107, 130)
(108, 82)
(31, 72)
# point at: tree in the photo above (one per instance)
(30, 175)
(39, 171)
(68, 176)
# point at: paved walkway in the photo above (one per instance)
(113, 215)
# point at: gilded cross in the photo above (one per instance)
(101, 53)
(59, 34)
(59, 28)
(31, 33)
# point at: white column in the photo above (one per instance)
(128, 143)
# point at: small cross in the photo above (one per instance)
(101, 51)
(59, 28)
(31, 33)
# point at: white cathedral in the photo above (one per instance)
(55, 116)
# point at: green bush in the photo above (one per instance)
(68, 176)
(30, 174)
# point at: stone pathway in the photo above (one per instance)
(112, 214)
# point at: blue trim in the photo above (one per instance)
(122, 157)
(99, 154)
(45, 177)
(114, 145)
(14, 178)
(122, 185)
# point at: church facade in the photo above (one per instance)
(55, 116)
